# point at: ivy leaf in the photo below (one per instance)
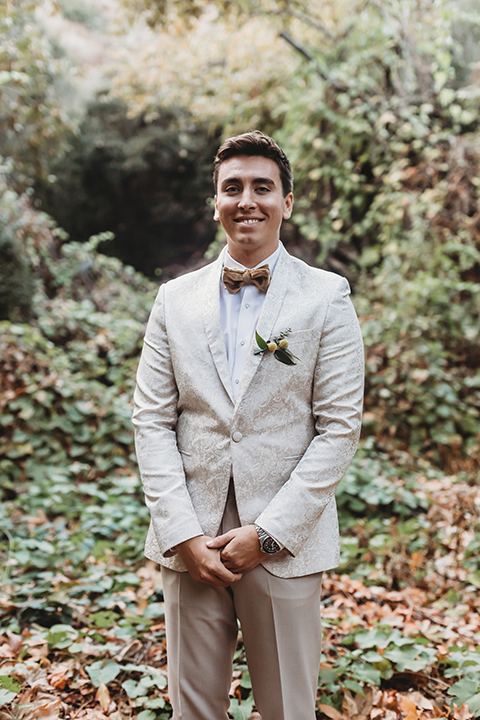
(241, 710)
(155, 703)
(366, 640)
(473, 704)
(132, 688)
(8, 683)
(103, 672)
(328, 677)
(154, 611)
(355, 686)
(407, 658)
(103, 619)
(146, 715)
(6, 696)
(372, 656)
(464, 689)
(161, 681)
(246, 681)
(366, 673)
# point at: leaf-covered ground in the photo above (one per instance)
(83, 631)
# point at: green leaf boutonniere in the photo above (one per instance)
(278, 346)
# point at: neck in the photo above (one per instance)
(252, 258)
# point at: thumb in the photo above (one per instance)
(219, 541)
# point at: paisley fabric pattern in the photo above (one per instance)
(288, 439)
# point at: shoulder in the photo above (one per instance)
(193, 279)
(312, 279)
(188, 286)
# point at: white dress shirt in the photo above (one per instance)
(240, 313)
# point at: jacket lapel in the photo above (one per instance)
(213, 324)
(266, 322)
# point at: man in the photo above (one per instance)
(242, 439)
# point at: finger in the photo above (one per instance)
(213, 580)
(216, 582)
(226, 575)
(219, 541)
(237, 576)
(230, 565)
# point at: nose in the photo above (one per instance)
(247, 199)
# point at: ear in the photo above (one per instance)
(287, 211)
(216, 216)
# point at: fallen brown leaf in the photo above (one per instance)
(357, 705)
(93, 714)
(6, 651)
(421, 701)
(331, 712)
(61, 676)
(409, 707)
(37, 647)
(349, 706)
(15, 641)
(142, 604)
(102, 696)
(130, 649)
(234, 687)
(88, 714)
(117, 715)
(462, 713)
(39, 706)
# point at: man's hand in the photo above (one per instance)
(240, 549)
(204, 563)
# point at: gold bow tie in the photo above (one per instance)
(234, 278)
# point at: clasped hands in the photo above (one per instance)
(222, 561)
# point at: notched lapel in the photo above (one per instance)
(268, 317)
(213, 325)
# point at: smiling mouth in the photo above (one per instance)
(248, 221)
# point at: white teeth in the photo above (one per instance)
(250, 222)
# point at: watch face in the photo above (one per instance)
(270, 546)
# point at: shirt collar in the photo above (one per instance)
(271, 261)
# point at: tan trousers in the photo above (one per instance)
(281, 629)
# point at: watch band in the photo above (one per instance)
(267, 543)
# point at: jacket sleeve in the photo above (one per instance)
(155, 418)
(337, 400)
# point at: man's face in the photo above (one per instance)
(250, 206)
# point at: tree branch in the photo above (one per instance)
(350, 27)
(308, 56)
(310, 21)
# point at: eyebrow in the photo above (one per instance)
(257, 181)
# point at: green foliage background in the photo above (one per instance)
(144, 181)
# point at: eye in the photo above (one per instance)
(263, 188)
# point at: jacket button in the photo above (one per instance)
(237, 436)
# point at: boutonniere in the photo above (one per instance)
(278, 346)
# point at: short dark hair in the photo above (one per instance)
(255, 143)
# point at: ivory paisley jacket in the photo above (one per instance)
(288, 439)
